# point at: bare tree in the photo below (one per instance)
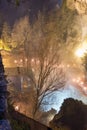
(6, 37)
(40, 45)
(21, 33)
(21, 38)
(47, 74)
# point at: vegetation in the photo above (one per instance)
(44, 47)
(72, 115)
(41, 50)
(16, 123)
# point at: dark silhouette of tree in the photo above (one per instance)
(72, 114)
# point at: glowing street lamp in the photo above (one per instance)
(81, 50)
(16, 108)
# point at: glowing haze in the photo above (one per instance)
(81, 50)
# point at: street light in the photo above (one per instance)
(81, 50)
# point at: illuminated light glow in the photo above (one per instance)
(16, 108)
(81, 83)
(26, 59)
(81, 50)
(68, 66)
(79, 78)
(25, 86)
(60, 66)
(85, 88)
(15, 61)
(32, 60)
(4, 47)
(21, 60)
(77, 81)
(1, 46)
(1, 41)
(74, 80)
(33, 69)
(50, 117)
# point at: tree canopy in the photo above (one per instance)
(73, 114)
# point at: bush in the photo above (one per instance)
(16, 124)
(73, 113)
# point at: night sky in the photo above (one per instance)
(29, 7)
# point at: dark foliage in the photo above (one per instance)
(16, 124)
(73, 113)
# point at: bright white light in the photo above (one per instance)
(81, 50)
(16, 108)
(32, 60)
